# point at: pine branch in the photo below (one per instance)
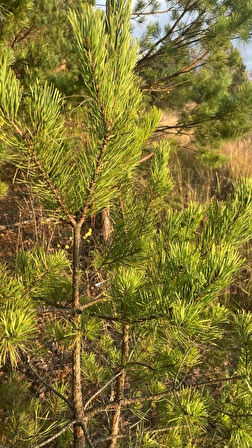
(152, 432)
(51, 388)
(55, 436)
(101, 389)
(25, 136)
(120, 387)
(128, 401)
(49, 182)
(147, 56)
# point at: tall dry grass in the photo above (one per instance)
(194, 180)
(239, 157)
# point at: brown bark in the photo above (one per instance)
(107, 226)
(120, 389)
(79, 438)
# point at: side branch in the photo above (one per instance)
(51, 388)
(50, 184)
(55, 436)
(128, 401)
(155, 431)
(24, 136)
(149, 54)
(120, 388)
(135, 15)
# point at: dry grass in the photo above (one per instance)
(171, 119)
(197, 182)
(239, 155)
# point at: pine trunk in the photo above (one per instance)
(79, 438)
(120, 389)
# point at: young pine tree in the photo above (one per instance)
(153, 356)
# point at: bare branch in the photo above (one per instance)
(86, 434)
(156, 431)
(128, 401)
(19, 37)
(150, 13)
(120, 387)
(51, 388)
(28, 221)
(163, 39)
(144, 159)
(101, 389)
(94, 302)
(55, 436)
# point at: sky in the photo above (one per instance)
(246, 51)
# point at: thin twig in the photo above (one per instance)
(86, 434)
(51, 388)
(55, 436)
(94, 302)
(151, 13)
(26, 222)
(101, 389)
(149, 54)
(144, 159)
(155, 431)
(128, 401)
(120, 387)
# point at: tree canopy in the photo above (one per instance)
(193, 52)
